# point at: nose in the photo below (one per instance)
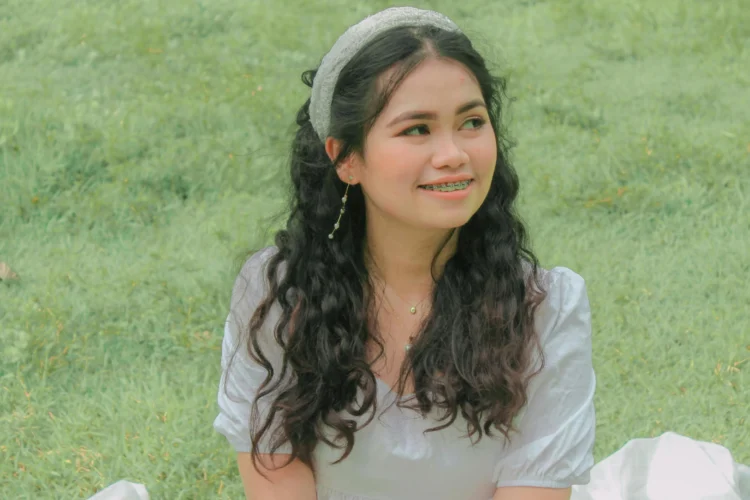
(448, 153)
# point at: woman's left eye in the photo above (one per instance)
(478, 122)
(418, 130)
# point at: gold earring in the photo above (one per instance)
(343, 209)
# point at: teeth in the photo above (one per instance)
(451, 186)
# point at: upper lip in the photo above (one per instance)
(449, 178)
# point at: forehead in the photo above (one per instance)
(434, 82)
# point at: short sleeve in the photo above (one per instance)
(243, 377)
(553, 447)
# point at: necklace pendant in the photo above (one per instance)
(413, 310)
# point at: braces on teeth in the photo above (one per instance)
(451, 186)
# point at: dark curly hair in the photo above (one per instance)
(475, 349)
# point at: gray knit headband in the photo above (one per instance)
(350, 43)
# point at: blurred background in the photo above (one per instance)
(143, 146)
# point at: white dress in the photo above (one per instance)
(393, 460)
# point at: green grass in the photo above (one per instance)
(142, 141)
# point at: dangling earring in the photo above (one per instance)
(343, 209)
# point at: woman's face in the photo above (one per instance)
(435, 131)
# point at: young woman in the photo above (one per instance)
(399, 340)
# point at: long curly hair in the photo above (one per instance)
(475, 349)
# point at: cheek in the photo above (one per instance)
(484, 155)
(393, 162)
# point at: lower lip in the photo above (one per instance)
(458, 194)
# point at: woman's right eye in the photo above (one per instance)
(411, 130)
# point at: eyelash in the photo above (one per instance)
(480, 123)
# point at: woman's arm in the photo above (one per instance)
(293, 482)
(528, 493)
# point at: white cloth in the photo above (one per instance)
(393, 460)
(122, 490)
(667, 467)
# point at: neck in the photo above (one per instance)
(403, 257)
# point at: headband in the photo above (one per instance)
(350, 43)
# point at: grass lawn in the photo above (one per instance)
(142, 143)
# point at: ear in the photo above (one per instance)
(333, 146)
(347, 170)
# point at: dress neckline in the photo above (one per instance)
(389, 390)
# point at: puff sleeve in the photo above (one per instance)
(553, 447)
(241, 379)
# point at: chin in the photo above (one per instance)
(449, 222)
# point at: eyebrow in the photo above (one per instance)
(429, 115)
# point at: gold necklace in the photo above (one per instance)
(412, 309)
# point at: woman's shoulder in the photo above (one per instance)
(255, 264)
(251, 284)
(253, 274)
(556, 281)
(564, 279)
(553, 279)
(566, 300)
